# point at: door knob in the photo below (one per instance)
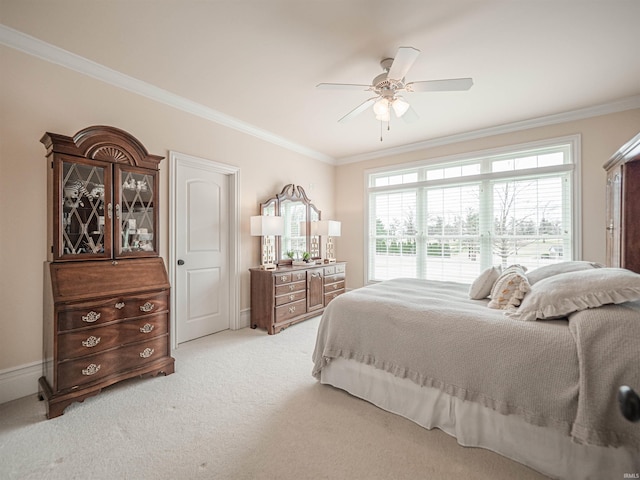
(180, 262)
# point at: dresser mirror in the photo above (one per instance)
(298, 212)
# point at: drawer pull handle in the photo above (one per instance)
(91, 341)
(120, 305)
(283, 278)
(335, 286)
(146, 328)
(91, 317)
(91, 369)
(291, 287)
(147, 352)
(292, 309)
(300, 275)
(147, 307)
(292, 296)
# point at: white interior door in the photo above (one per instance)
(201, 250)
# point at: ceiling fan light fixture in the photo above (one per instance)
(400, 106)
(381, 107)
(386, 85)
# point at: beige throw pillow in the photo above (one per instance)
(562, 294)
(481, 286)
(509, 289)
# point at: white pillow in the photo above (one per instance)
(481, 286)
(509, 289)
(547, 271)
(562, 294)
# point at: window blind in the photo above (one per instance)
(450, 220)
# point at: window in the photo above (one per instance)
(451, 219)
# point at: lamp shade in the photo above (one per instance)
(400, 106)
(262, 226)
(381, 107)
(329, 228)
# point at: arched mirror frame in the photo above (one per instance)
(275, 205)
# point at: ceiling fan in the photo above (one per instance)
(389, 84)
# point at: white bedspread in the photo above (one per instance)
(433, 334)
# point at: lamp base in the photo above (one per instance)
(268, 266)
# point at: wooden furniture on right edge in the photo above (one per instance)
(623, 207)
(291, 294)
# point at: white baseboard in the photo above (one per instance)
(19, 381)
(245, 318)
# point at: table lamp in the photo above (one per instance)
(267, 227)
(328, 229)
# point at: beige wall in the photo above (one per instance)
(601, 137)
(36, 97)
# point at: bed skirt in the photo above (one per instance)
(543, 449)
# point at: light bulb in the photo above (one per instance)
(384, 117)
(400, 106)
(381, 107)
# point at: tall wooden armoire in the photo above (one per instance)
(623, 207)
(106, 307)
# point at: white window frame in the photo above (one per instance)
(574, 142)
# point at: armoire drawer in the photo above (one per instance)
(290, 310)
(96, 313)
(330, 296)
(332, 287)
(91, 368)
(334, 278)
(78, 343)
(290, 288)
(291, 297)
(334, 269)
(288, 277)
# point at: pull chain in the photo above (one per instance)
(388, 128)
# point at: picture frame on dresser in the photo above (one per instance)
(106, 292)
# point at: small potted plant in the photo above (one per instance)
(301, 259)
(306, 257)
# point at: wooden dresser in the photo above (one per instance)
(623, 207)
(106, 290)
(291, 294)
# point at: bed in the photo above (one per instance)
(540, 392)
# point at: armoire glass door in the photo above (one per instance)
(136, 215)
(84, 225)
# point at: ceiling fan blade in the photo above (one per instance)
(451, 84)
(343, 86)
(358, 110)
(410, 115)
(402, 62)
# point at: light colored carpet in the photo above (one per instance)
(241, 405)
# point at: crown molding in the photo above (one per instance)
(620, 105)
(50, 53)
(45, 51)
